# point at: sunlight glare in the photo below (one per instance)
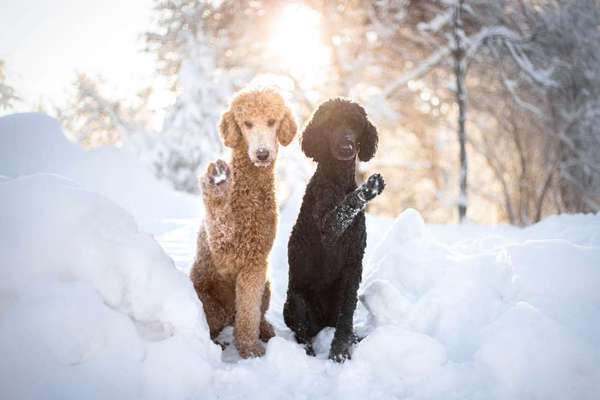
(296, 43)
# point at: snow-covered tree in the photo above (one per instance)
(459, 33)
(570, 32)
(189, 137)
(453, 35)
(91, 118)
(95, 118)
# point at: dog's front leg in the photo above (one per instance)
(344, 328)
(216, 185)
(250, 285)
(337, 221)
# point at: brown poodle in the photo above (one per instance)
(230, 270)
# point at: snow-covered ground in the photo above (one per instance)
(93, 307)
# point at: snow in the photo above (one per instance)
(89, 304)
(93, 307)
(31, 143)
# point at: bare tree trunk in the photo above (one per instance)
(460, 72)
(540, 200)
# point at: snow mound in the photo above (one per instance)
(517, 310)
(34, 143)
(89, 306)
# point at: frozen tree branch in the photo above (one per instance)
(422, 69)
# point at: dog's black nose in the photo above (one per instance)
(262, 154)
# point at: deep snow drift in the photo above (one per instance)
(91, 307)
(31, 143)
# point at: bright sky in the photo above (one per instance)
(45, 42)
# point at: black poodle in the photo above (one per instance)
(327, 243)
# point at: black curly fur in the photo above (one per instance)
(327, 243)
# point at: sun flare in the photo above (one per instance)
(296, 43)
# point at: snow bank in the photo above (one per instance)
(89, 306)
(34, 143)
(517, 310)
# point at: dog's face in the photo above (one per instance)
(339, 129)
(344, 142)
(260, 121)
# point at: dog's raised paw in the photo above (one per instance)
(218, 172)
(216, 177)
(373, 187)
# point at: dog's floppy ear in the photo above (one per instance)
(314, 139)
(229, 130)
(368, 140)
(287, 128)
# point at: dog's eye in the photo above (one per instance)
(271, 122)
(248, 124)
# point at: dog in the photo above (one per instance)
(327, 243)
(230, 269)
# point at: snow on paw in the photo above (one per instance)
(376, 184)
(220, 172)
(216, 178)
(372, 187)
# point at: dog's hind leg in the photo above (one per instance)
(298, 316)
(216, 315)
(266, 329)
(344, 335)
(210, 290)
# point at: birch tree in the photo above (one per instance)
(452, 34)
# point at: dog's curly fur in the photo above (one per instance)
(230, 269)
(327, 243)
